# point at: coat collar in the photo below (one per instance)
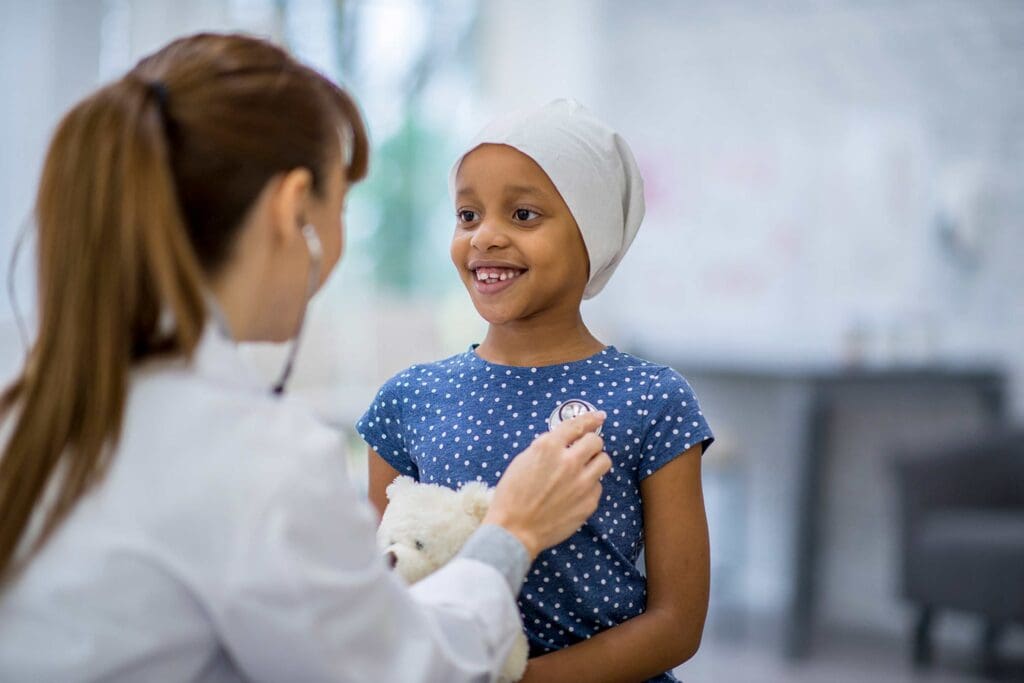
(217, 358)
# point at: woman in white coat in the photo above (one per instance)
(163, 515)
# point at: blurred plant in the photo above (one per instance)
(404, 165)
(394, 57)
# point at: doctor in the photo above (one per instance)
(163, 515)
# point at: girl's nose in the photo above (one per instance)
(489, 235)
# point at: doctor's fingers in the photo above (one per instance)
(588, 481)
(594, 497)
(570, 431)
(598, 466)
(585, 448)
(590, 500)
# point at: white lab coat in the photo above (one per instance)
(226, 543)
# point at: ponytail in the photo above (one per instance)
(115, 265)
(144, 187)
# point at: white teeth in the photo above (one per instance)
(490, 275)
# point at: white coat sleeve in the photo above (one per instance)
(308, 596)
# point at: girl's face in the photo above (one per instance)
(516, 245)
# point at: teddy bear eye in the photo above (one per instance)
(419, 545)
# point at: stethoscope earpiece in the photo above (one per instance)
(316, 253)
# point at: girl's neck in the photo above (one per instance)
(536, 343)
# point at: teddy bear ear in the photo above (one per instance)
(476, 498)
(400, 484)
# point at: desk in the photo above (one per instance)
(816, 394)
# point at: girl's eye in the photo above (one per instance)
(525, 215)
(467, 215)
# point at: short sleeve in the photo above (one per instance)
(674, 422)
(381, 427)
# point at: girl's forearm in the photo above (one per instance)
(633, 651)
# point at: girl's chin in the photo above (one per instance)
(497, 316)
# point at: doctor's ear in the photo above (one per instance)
(289, 199)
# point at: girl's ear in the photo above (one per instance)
(476, 499)
(398, 486)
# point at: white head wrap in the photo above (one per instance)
(591, 166)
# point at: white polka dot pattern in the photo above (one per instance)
(462, 419)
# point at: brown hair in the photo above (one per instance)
(144, 186)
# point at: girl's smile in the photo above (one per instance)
(516, 244)
(493, 277)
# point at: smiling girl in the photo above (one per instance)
(547, 203)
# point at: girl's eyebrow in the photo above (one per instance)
(524, 189)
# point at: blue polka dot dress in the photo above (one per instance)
(463, 419)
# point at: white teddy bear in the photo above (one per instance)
(425, 525)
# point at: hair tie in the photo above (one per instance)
(159, 91)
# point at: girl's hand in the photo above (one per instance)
(549, 490)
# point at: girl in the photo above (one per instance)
(547, 203)
(163, 516)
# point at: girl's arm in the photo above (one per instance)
(677, 555)
(381, 474)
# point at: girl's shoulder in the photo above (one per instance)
(419, 375)
(417, 386)
(640, 369)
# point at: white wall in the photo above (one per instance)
(796, 157)
(53, 53)
(48, 59)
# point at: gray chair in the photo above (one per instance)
(962, 535)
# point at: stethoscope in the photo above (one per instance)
(316, 253)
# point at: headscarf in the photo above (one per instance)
(589, 164)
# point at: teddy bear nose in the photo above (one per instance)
(391, 558)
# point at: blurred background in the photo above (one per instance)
(832, 254)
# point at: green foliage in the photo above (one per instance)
(407, 185)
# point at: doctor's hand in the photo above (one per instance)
(550, 489)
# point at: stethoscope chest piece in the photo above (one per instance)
(567, 410)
